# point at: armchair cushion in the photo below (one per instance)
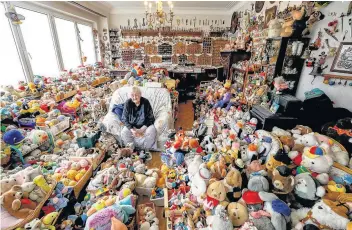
(160, 101)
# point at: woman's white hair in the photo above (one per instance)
(136, 89)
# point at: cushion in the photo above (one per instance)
(118, 110)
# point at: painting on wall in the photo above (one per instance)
(343, 59)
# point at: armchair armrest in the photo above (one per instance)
(112, 123)
(162, 122)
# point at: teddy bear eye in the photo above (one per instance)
(312, 163)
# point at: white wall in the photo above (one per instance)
(342, 96)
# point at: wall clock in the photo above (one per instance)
(259, 6)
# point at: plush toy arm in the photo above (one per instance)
(16, 204)
(266, 196)
(323, 178)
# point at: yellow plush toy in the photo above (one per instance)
(65, 181)
(100, 204)
(79, 176)
(57, 176)
(72, 183)
(41, 183)
(48, 220)
(71, 174)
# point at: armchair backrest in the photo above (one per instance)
(159, 98)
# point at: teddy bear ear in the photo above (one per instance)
(17, 188)
(212, 180)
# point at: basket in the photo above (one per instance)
(143, 191)
(95, 162)
(80, 184)
(88, 142)
(55, 129)
(140, 208)
(167, 194)
(158, 201)
(36, 212)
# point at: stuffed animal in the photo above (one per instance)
(199, 183)
(49, 218)
(300, 130)
(313, 18)
(11, 202)
(238, 213)
(41, 182)
(233, 184)
(31, 191)
(318, 163)
(283, 180)
(334, 190)
(258, 183)
(219, 221)
(193, 167)
(100, 204)
(279, 211)
(6, 184)
(307, 190)
(38, 136)
(280, 132)
(216, 194)
(218, 169)
(325, 214)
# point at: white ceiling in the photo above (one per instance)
(183, 4)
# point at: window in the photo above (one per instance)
(68, 43)
(87, 43)
(39, 43)
(10, 63)
(46, 43)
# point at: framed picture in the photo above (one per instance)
(269, 15)
(343, 59)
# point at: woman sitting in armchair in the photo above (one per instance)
(138, 119)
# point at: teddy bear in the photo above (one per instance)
(31, 191)
(218, 221)
(193, 167)
(279, 211)
(307, 190)
(12, 202)
(280, 132)
(318, 163)
(282, 180)
(325, 214)
(238, 213)
(300, 130)
(218, 169)
(215, 195)
(233, 184)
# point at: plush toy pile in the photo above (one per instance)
(243, 178)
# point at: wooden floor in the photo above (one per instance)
(185, 120)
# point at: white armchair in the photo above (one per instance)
(160, 101)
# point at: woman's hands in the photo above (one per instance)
(138, 132)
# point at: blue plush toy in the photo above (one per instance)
(13, 137)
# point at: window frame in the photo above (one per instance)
(51, 15)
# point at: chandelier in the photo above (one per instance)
(160, 17)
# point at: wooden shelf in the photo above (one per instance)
(155, 33)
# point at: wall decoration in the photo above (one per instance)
(234, 22)
(155, 59)
(259, 6)
(192, 58)
(204, 59)
(269, 15)
(343, 60)
(165, 49)
(179, 48)
(150, 49)
(194, 48)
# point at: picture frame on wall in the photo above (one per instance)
(343, 59)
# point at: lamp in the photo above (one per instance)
(160, 17)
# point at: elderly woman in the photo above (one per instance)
(138, 119)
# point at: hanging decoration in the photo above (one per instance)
(15, 18)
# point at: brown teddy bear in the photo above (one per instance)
(218, 169)
(238, 213)
(233, 184)
(14, 204)
(283, 180)
(216, 195)
(287, 141)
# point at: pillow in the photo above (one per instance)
(118, 110)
